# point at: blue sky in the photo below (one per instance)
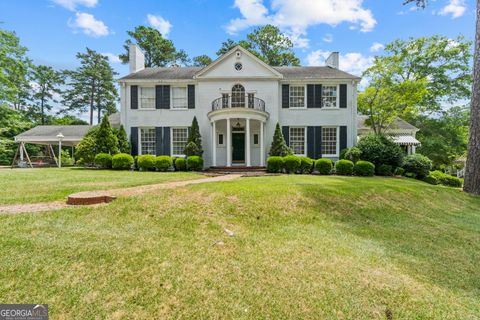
(55, 30)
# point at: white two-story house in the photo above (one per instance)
(238, 100)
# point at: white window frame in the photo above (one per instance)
(253, 138)
(171, 141)
(337, 142)
(337, 97)
(140, 105)
(140, 151)
(304, 96)
(304, 138)
(218, 139)
(172, 97)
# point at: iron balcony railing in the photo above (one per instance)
(247, 101)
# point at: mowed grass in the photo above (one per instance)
(305, 247)
(49, 184)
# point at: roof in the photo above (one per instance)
(322, 72)
(73, 134)
(164, 73)
(398, 124)
(405, 140)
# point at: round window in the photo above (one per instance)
(238, 66)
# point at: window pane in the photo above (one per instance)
(329, 96)
(147, 98)
(147, 140)
(179, 140)
(238, 96)
(297, 96)
(255, 138)
(179, 97)
(220, 139)
(297, 140)
(329, 141)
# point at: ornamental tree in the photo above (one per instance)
(279, 146)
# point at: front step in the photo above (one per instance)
(237, 169)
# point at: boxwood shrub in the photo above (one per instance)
(146, 162)
(364, 168)
(291, 163)
(103, 161)
(353, 154)
(344, 167)
(122, 161)
(417, 164)
(399, 171)
(384, 170)
(274, 164)
(380, 150)
(163, 163)
(180, 164)
(306, 165)
(324, 166)
(195, 163)
(444, 179)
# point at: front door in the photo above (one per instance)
(238, 144)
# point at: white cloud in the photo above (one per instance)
(295, 17)
(159, 23)
(455, 8)
(352, 62)
(328, 38)
(376, 47)
(113, 58)
(72, 4)
(89, 25)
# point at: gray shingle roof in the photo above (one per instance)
(164, 73)
(45, 134)
(314, 73)
(398, 124)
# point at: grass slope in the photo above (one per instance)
(305, 247)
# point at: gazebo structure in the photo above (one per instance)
(68, 135)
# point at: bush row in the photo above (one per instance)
(438, 177)
(123, 161)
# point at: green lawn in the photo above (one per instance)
(305, 247)
(48, 184)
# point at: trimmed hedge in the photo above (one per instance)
(146, 162)
(291, 163)
(122, 161)
(163, 163)
(384, 170)
(306, 165)
(180, 164)
(344, 167)
(364, 168)
(195, 163)
(418, 165)
(444, 179)
(103, 161)
(399, 171)
(274, 164)
(324, 166)
(353, 154)
(380, 150)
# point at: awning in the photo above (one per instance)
(47, 135)
(405, 140)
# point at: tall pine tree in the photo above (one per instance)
(47, 84)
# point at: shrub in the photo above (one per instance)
(279, 147)
(324, 166)
(180, 164)
(103, 161)
(163, 163)
(410, 175)
(353, 154)
(274, 164)
(399, 171)
(291, 163)
(195, 163)
(306, 165)
(122, 161)
(417, 164)
(380, 150)
(146, 162)
(444, 179)
(344, 167)
(135, 163)
(384, 170)
(364, 168)
(431, 180)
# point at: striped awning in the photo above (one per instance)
(405, 140)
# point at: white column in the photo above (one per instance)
(21, 151)
(214, 144)
(60, 153)
(229, 144)
(413, 149)
(247, 141)
(262, 151)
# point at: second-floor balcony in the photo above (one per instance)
(238, 101)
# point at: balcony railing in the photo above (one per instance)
(248, 101)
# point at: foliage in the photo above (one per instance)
(146, 162)
(122, 161)
(306, 165)
(67, 160)
(194, 141)
(442, 178)
(324, 166)
(291, 163)
(106, 140)
(123, 143)
(384, 170)
(163, 163)
(180, 164)
(344, 167)
(195, 163)
(364, 168)
(202, 61)
(85, 151)
(379, 150)
(399, 171)
(418, 165)
(12, 123)
(274, 164)
(353, 154)
(279, 147)
(103, 161)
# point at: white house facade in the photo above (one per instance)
(238, 100)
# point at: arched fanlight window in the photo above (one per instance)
(238, 96)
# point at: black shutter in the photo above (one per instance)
(318, 142)
(191, 96)
(286, 134)
(343, 137)
(158, 141)
(343, 96)
(166, 97)
(311, 142)
(133, 97)
(134, 140)
(158, 97)
(310, 96)
(166, 141)
(285, 96)
(318, 96)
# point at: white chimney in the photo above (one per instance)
(136, 58)
(333, 60)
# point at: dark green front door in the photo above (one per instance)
(238, 144)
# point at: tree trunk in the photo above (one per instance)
(42, 112)
(92, 103)
(472, 172)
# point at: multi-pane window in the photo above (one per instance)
(179, 97)
(297, 96)
(329, 96)
(238, 96)
(329, 141)
(179, 140)
(297, 140)
(147, 98)
(147, 140)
